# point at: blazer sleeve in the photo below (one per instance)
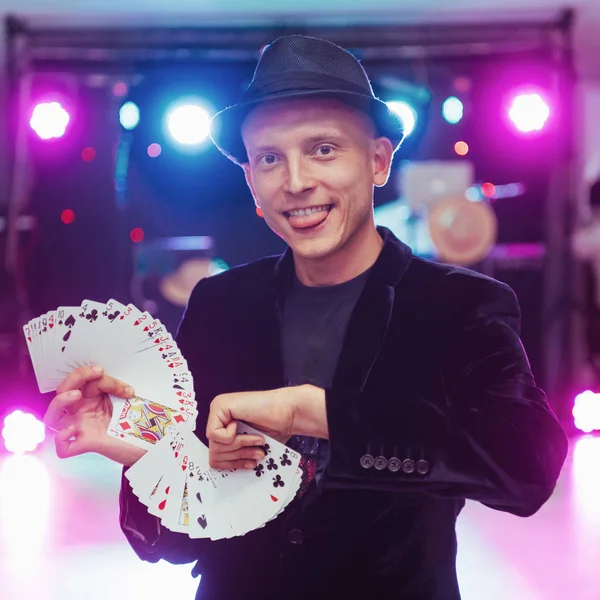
(492, 437)
(149, 539)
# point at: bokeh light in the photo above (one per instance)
(529, 112)
(462, 84)
(407, 113)
(461, 148)
(154, 150)
(67, 216)
(452, 110)
(586, 411)
(488, 190)
(188, 124)
(137, 235)
(49, 120)
(88, 154)
(25, 521)
(120, 89)
(473, 194)
(129, 115)
(22, 432)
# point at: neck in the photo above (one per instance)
(354, 258)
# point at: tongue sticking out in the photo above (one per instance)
(306, 221)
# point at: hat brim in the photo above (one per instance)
(226, 125)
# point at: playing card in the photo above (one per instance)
(165, 501)
(173, 479)
(130, 346)
(113, 312)
(206, 518)
(143, 422)
(145, 474)
(29, 337)
(253, 497)
(176, 483)
(59, 367)
(175, 516)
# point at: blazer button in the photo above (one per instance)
(380, 463)
(422, 467)
(296, 536)
(367, 461)
(408, 465)
(394, 464)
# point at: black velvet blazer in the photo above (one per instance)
(433, 402)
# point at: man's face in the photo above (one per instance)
(312, 167)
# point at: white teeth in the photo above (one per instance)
(302, 212)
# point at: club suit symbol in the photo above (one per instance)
(92, 316)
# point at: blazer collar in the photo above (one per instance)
(391, 264)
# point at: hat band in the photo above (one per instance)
(302, 82)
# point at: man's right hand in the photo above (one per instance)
(80, 413)
(243, 452)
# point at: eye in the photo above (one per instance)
(325, 150)
(267, 159)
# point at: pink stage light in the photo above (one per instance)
(22, 432)
(586, 411)
(49, 120)
(529, 112)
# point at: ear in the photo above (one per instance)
(383, 152)
(248, 174)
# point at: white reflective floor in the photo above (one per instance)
(60, 539)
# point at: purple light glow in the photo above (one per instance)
(586, 411)
(22, 432)
(529, 112)
(49, 120)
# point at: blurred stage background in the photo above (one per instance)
(104, 194)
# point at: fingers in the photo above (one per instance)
(242, 453)
(240, 441)
(233, 465)
(220, 426)
(110, 385)
(86, 377)
(60, 409)
(217, 431)
(69, 443)
(79, 377)
(247, 439)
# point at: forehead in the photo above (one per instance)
(305, 115)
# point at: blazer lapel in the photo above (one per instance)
(371, 317)
(264, 367)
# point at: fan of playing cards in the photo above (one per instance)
(173, 479)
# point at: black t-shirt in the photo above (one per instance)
(313, 329)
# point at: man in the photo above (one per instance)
(403, 382)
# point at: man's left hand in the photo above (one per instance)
(279, 413)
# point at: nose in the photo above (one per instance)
(298, 178)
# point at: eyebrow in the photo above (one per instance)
(314, 139)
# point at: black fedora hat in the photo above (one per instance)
(298, 66)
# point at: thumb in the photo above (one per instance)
(69, 442)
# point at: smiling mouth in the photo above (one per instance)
(305, 212)
(308, 218)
